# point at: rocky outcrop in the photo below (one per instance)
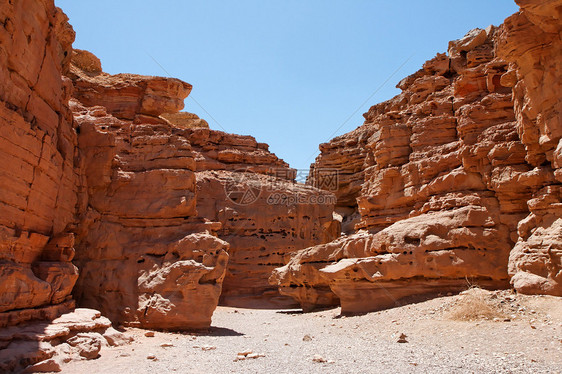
(160, 186)
(145, 257)
(455, 181)
(39, 175)
(119, 174)
(424, 255)
(265, 215)
(458, 178)
(40, 196)
(342, 162)
(125, 96)
(45, 346)
(530, 41)
(265, 220)
(185, 120)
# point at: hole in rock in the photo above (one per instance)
(412, 240)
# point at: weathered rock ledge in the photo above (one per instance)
(454, 182)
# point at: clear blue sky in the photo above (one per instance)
(288, 72)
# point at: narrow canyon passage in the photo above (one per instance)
(288, 341)
(121, 215)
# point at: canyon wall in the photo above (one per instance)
(108, 164)
(40, 172)
(455, 179)
(249, 192)
(531, 42)
(265, 215)
(145, 257)
(155, 175)
(280, 219)
(156, 218)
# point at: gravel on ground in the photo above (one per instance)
(526, 339)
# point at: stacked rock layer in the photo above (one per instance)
(108, 164)
(107, 185)
(456, 179)
(40, 173)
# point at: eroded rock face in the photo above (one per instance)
(347, 156)
(185, 120)
(264, 229)
(455, 172)
(125, 96)
(423, 255)
(39, 173)
(455, 180)
(45, 346)
(145, 257)
(265, 215)
(153, 179)
(536, 260)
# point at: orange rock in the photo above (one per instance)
(125, 96)
(458, 177)
(142, 208)
(535, 262)
(445, 174)
(185, 120)
(264, 230)
(39, 176)
(41, 346)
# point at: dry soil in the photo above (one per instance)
(525, 338)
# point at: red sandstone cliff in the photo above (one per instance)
(40, 172)
(153, 176)
(144, 256)
(265, 215)
(531, 42)
(41, 179)
(143, 189)
(455, 179)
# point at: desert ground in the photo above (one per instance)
(477, 331)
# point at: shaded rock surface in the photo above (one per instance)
(265, 215)
(125, 96)
(153, 178)
(45, 346)
(108, 164)
(455, 179)
(282, 218)
(40, 175)
(185, 119)
(530, 41)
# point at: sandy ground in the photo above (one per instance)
(528, 341)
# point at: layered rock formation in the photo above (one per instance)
(264, 230)
(265, 216)
(344, 158)
(106, 184)
(122, 172)
(145, 257)
(39, 177)
(44, 346)
(154, 176)
(452, 178)
(531, 41)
